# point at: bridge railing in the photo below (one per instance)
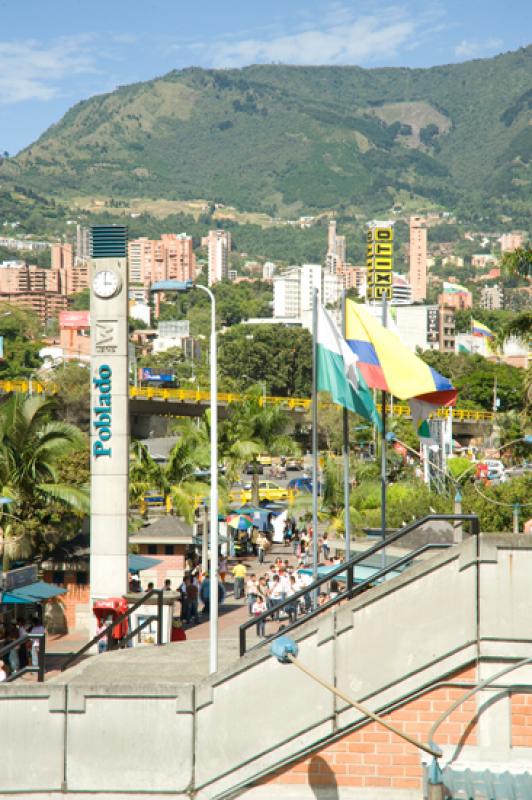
(199, 396)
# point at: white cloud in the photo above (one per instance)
(474, 48)
(30, 70)
(341, 38)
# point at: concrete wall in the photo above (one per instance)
(96, 730)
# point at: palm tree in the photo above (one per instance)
(32, 446)
(253, 428)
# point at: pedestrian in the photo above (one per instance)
(276, 594)
(295, 542)
(259, 607)
(222, 568)
(239, 573)
(261, 547)
(291, 608)
(192, 599)
(252, 590)
(325, 547)
(167, 585)
(183, 599)
(37, 627)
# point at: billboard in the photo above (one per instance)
(147, 374)
(74, 320)
(379, 260)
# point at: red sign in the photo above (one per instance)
(74, 320)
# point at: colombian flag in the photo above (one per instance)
(478, 329)
(386, 363)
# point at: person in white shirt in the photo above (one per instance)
(259, 607)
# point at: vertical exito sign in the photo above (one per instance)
(379, 260)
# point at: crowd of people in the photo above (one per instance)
(26, 653)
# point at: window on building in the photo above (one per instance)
(169, 549)
(152, 549)
(82, 578)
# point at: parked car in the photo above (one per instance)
(294, 464)
(268, 490)
(254, 468)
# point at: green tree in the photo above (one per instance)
(32, 447)
(517, 263)
(277, 356)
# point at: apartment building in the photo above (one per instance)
(418, 258)
(219, 247)
(150, 260)
(492, 297)
(294, 288)
(62, 256)
(511, 241)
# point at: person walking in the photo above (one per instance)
(239, 574)
(259, 607)
(252, 590)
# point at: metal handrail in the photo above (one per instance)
(107, 631)
(39, 669)
(349, 567)
(477, 688)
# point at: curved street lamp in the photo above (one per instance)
(186, 286)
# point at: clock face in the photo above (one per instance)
(106, 283)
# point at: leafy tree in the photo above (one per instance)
(20, 330)
(279, 357)
(518, 262)
(32, 447)
(475, 376)
(70, 384)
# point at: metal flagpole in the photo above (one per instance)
(314, 435)
(383, 449)
(345, 449)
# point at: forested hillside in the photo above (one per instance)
(288, 140)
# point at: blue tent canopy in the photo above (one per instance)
(137, 563)
(33, 593)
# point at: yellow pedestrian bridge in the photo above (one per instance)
(199, 399)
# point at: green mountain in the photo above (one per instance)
(288, 140)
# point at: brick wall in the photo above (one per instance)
(375, 757)
(521, 720)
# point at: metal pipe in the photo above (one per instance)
(213, 573)
(315, 437)
(345, 450)
(427, 748)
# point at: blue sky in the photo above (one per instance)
(54, 53)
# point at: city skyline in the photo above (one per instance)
(50, 60)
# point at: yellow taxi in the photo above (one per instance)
(265, 459)
(268, 490)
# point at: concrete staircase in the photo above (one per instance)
(152, 721)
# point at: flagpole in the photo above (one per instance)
(345, 448)
(383, 448)
(315, 437)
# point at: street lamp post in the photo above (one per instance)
(185, 286)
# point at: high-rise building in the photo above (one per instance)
(287, 293)
(341, 249)
(82, 243)
(331, 237)
(336, 250)
(219, 247)
(293, 291)
(418, 258)
(492, 297)
(511, 241)
(150, 260)
(62, 256)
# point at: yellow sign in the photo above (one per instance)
(379, 261)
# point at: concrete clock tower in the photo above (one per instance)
(109, 412)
